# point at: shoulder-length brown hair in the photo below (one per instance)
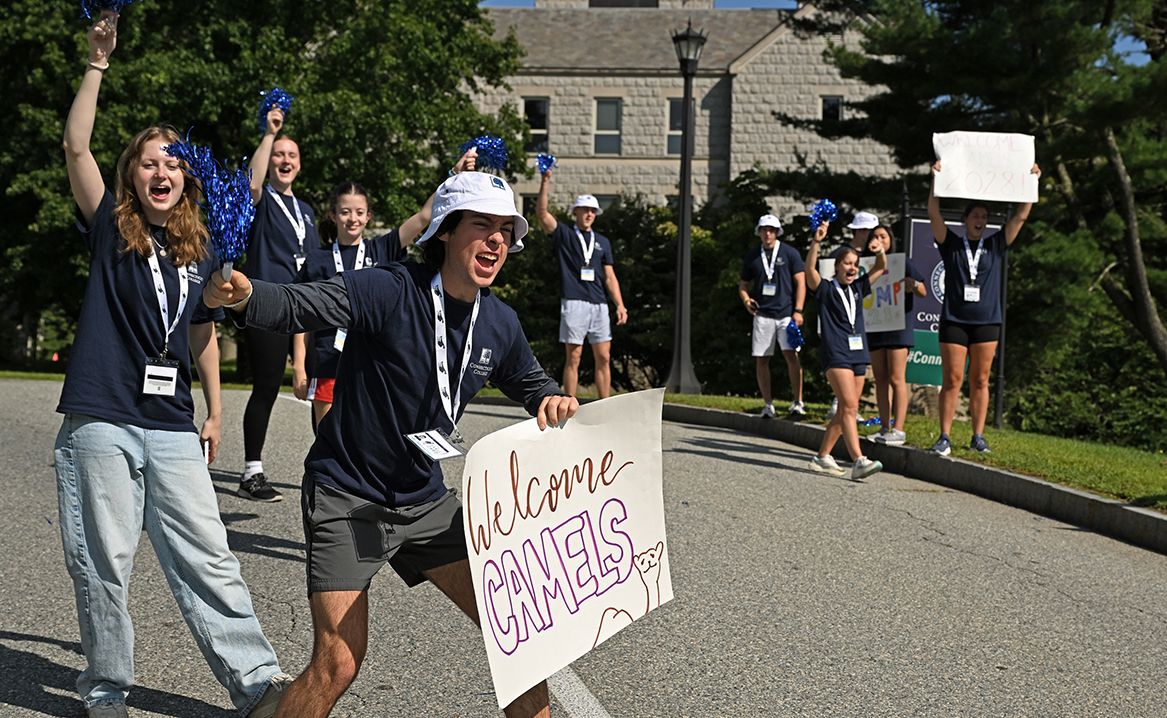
(185, 233)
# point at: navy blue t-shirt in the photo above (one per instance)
(387, 379)
(956, 275)
(571, 260)
(905, 337)
(836, 328)
(120, 327)
(272, 244)
(320, 265)
(786, 265)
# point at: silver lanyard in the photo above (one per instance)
(974, 261)
(769, 266)
(160, 291)
(297, 222)
(450, 405)
(848, 302)
(588, 248)
(358, 264)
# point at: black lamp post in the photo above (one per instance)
(681, 379)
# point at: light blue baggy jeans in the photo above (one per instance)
(111, 477)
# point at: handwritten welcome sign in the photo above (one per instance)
(989, 166)
(883, 309)
(566, 535)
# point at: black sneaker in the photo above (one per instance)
(258, 489)
(978, 445)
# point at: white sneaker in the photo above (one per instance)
(834, 408)
(826, 465)
(768, 412)
(797, 408)
(890, 437)
(864, 467)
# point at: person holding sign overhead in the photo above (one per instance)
(421, 341)
(773, 288)
(970, 317)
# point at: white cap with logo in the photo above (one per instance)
(768, 220)
(479, 192)
(587, 200)
(864, 220)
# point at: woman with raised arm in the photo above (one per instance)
(970, 317)
(843, 353)
(128, 454)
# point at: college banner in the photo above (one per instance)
(566, 535)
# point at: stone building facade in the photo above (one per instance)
(591, 69)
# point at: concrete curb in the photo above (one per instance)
(1116, 519)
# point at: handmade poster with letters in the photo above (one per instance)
(566, 534)
(883, 309)
(989, 166)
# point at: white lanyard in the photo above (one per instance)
(973, 260)
(450, 405)
(848, 302)
(163, 306)
(358, 264)
(297, 222)
(769, 266)
(588, 248)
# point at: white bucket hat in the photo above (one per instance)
(479, 192)
(768, 220)
(864, 220)
(587, 200)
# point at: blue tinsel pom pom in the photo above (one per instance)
(544, 162)
(227, 197)
(89, 8)
(823, 211)
(270, 100)
(794, 336)
(492, 152)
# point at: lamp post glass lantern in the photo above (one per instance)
(682, 379)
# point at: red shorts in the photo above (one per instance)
(321, 390)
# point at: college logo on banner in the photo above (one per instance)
(938, 282)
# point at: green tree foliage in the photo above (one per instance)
(381, 98)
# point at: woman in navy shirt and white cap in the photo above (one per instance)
(128, 454)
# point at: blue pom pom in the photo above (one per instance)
(823, 211)
(492, 152)
(226, 195)
(794, 336)
(89, 8)
(270, 100)
(544, 162)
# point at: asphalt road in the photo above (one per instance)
(796, 595)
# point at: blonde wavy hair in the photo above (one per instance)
(186, 234)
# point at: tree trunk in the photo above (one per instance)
(1147, 319)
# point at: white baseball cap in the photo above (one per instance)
(768, 220)
(587, 200)
(864, 220)
(480, 192)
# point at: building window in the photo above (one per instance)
(536, 110)
(529, 201)
(675, 109)
(832, 108)
(608, 127)
(607, 200)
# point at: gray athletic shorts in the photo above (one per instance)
(579, 319)
(769, 332)
(349, 539)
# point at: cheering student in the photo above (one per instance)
(773, 288)
(889, 350)
(843, 352)
(349, 214)
(421, 341)
(970, 317)
(283, 232)
(862, 225)
(128, 454)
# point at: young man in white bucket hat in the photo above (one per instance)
(861, 227)
(773, 288)
(585, 271)
(422, 340)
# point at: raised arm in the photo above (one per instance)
(1013, 226)
(880, 265)
(546, 219)
(84, 176)
(813, 278)
(261, 159)
(415, 225)
(939, 229)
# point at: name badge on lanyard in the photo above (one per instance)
(338, 264)
(972, 293)
(297, 223)
(161, 374)
(586, 273)
(855, 343)
(770, 287)
(854, 340)
(338, 342)
(769, 290)
(161, 377)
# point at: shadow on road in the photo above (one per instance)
(261, 544)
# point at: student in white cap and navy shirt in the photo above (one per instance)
(773, 287)
(422, 340)
(585, 270)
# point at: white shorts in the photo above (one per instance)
(768, 332)
(579, 320)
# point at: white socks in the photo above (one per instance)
(251, 468)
